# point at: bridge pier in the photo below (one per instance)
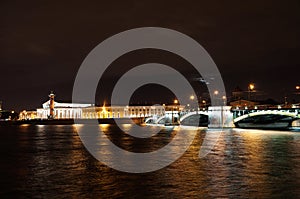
(296, 123)
(220, 117)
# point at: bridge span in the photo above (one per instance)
(195, 118)
(226, 117)
(265, 119)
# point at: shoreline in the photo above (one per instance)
(71, 121)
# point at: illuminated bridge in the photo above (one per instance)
(225, 117)
(195, 118)
(265, 119)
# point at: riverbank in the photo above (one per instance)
(71, 121)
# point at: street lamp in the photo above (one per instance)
(297, 91)
(224, 99)
(251, 88)
(194, 104)
(175, 103)
(192, 97)
(216, 92)
(204, 104)
(215, 98)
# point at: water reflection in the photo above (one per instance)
(50, 161)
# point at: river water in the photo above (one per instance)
(50, 161)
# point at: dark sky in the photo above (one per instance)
(43, 43)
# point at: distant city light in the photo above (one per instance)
(251, 86)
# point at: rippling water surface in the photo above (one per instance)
(51, 162)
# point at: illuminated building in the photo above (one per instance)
(89, 111)
(61, 110)
(27, 115)
(56, 110)
(121, 111)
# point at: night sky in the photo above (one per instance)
(42, 43)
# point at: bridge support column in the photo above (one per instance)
(220, 117)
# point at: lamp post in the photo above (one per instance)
(218, 99)
(195, 104)
(175, 103)
(215, 100)
(192, 97)
(297, 90)
(285, 102)
(204, 104)
(224, 100)
(251, 88)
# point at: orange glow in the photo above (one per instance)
(251, 86)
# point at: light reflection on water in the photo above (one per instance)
(50, 161)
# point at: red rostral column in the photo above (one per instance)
(51, 105)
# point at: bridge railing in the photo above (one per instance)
(240, 112)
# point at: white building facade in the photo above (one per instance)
(90, 111)
(62, 110)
